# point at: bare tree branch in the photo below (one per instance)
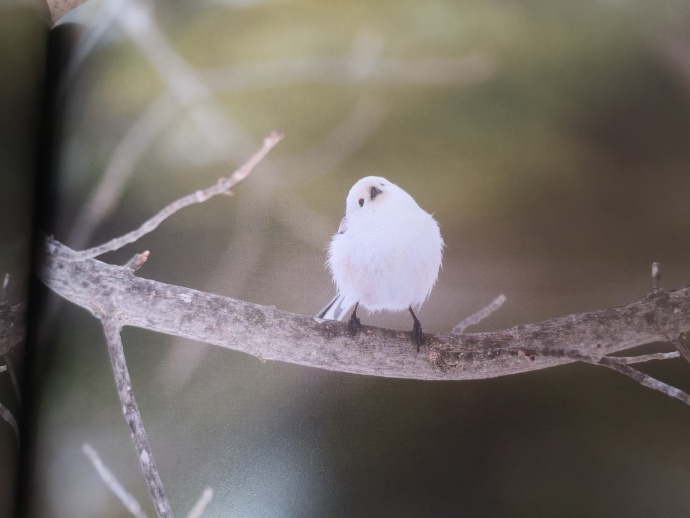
(111, 481)
(199, 508)
(271, 334)
(221, 187)
(628, 360)
(480, 315)
(645, 379)
(130, 409)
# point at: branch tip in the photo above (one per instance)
(197, 197)
(480, 315)
(656, 276)
(681, 344)
(199, 508)
(138, 261)
(112, 482)
(6, 285)
(273, 138)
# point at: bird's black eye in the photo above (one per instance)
(375, 192)
(361, 202)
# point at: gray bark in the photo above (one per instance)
(272, 334)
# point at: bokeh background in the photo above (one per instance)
(550, 139)
(23, 30)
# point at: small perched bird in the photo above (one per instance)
(385, 256)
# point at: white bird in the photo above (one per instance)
(385, 256)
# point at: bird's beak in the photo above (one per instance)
(375, 192)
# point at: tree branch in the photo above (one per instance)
(199, 508)
(111, 481)
(645, 379)
(271, 334)
(130, 409)
(222, 186)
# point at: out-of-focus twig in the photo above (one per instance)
(199, 508)
(111, 481)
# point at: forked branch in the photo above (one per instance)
(271, 334)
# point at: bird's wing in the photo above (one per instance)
(336, 309)
(343, 225)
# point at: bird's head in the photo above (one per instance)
(368, 194)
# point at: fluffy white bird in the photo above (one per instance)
(386, 254)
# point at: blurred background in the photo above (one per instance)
(23, 29)
(551, 141)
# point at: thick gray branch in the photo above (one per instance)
(271, 334)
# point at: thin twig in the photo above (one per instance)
(122, 164)
(199, 508)
(7, 416)
(137, 261)
(479, 315)
(619, 365)
(111, 481)
(181, 78)
(656, 277)
(644, 379)
(628, 360)
(130, 409)
(222, 186)
(680, 343)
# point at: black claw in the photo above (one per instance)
(354, 325)
(417, 333)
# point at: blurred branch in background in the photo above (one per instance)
(674, 47)
(110, 480)
(59, 8)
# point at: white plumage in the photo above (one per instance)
(386, 254)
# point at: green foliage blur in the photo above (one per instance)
(551, 141)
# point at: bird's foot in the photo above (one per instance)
(354, 325)
(418, 335)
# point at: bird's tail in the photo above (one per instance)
(336, 309)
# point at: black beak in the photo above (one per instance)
(375, 192)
